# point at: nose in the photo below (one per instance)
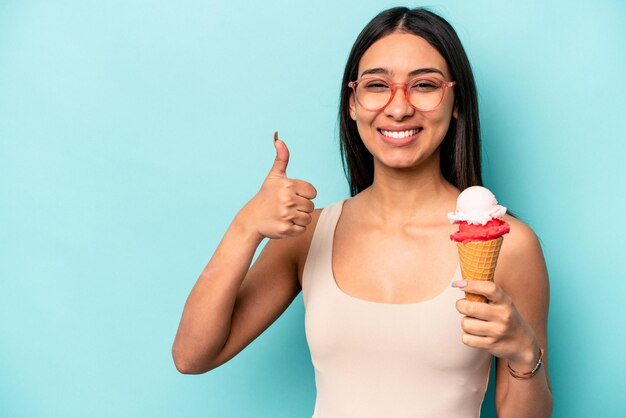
(399, 107)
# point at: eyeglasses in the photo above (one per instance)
(422, 93)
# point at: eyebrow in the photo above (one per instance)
(413, 73)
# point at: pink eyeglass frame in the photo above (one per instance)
(394, 86)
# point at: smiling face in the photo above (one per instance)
(399, 136)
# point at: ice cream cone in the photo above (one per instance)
(478, 262)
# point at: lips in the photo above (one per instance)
(399, 136)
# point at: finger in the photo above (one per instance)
(296, 230)
(477, 341)
(301, 219)
(476, 327)
(487, 288)
(286, 230)
(476, 310)
(305, 189)
(304, 205)
(282, 157)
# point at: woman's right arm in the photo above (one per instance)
(231, 303)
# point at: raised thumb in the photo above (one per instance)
(282, 157)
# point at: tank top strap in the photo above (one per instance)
(317, 266)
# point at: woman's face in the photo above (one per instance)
(399, 136)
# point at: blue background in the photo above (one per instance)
(132, 131)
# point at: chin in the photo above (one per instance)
(403, 160)
(399, 163)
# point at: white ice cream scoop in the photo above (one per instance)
(476, 205)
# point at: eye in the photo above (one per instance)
(425, 85)
(375, 85)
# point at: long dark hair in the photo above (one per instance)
(460, 149)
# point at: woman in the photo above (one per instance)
(389, 336)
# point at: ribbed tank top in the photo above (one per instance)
(385, 360)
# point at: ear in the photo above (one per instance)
(352, 106)
(455, 110)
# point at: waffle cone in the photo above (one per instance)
(478, 262)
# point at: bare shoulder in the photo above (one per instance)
(521, 241)
(521, 269)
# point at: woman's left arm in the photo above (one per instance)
(513, 325)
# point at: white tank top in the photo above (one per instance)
(384, 360)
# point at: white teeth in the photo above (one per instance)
(399, 134)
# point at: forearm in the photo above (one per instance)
(527, 398)
(206, 319)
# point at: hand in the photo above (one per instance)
(496, 326)
(282, 207)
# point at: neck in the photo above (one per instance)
(402, 195)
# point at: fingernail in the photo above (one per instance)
(459, 284)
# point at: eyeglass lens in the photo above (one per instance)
(423, 94)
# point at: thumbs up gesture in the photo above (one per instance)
(282, 207)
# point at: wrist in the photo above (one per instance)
(526, 358)
(244, 227)
(525, 375)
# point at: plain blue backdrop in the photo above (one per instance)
(132, 131)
